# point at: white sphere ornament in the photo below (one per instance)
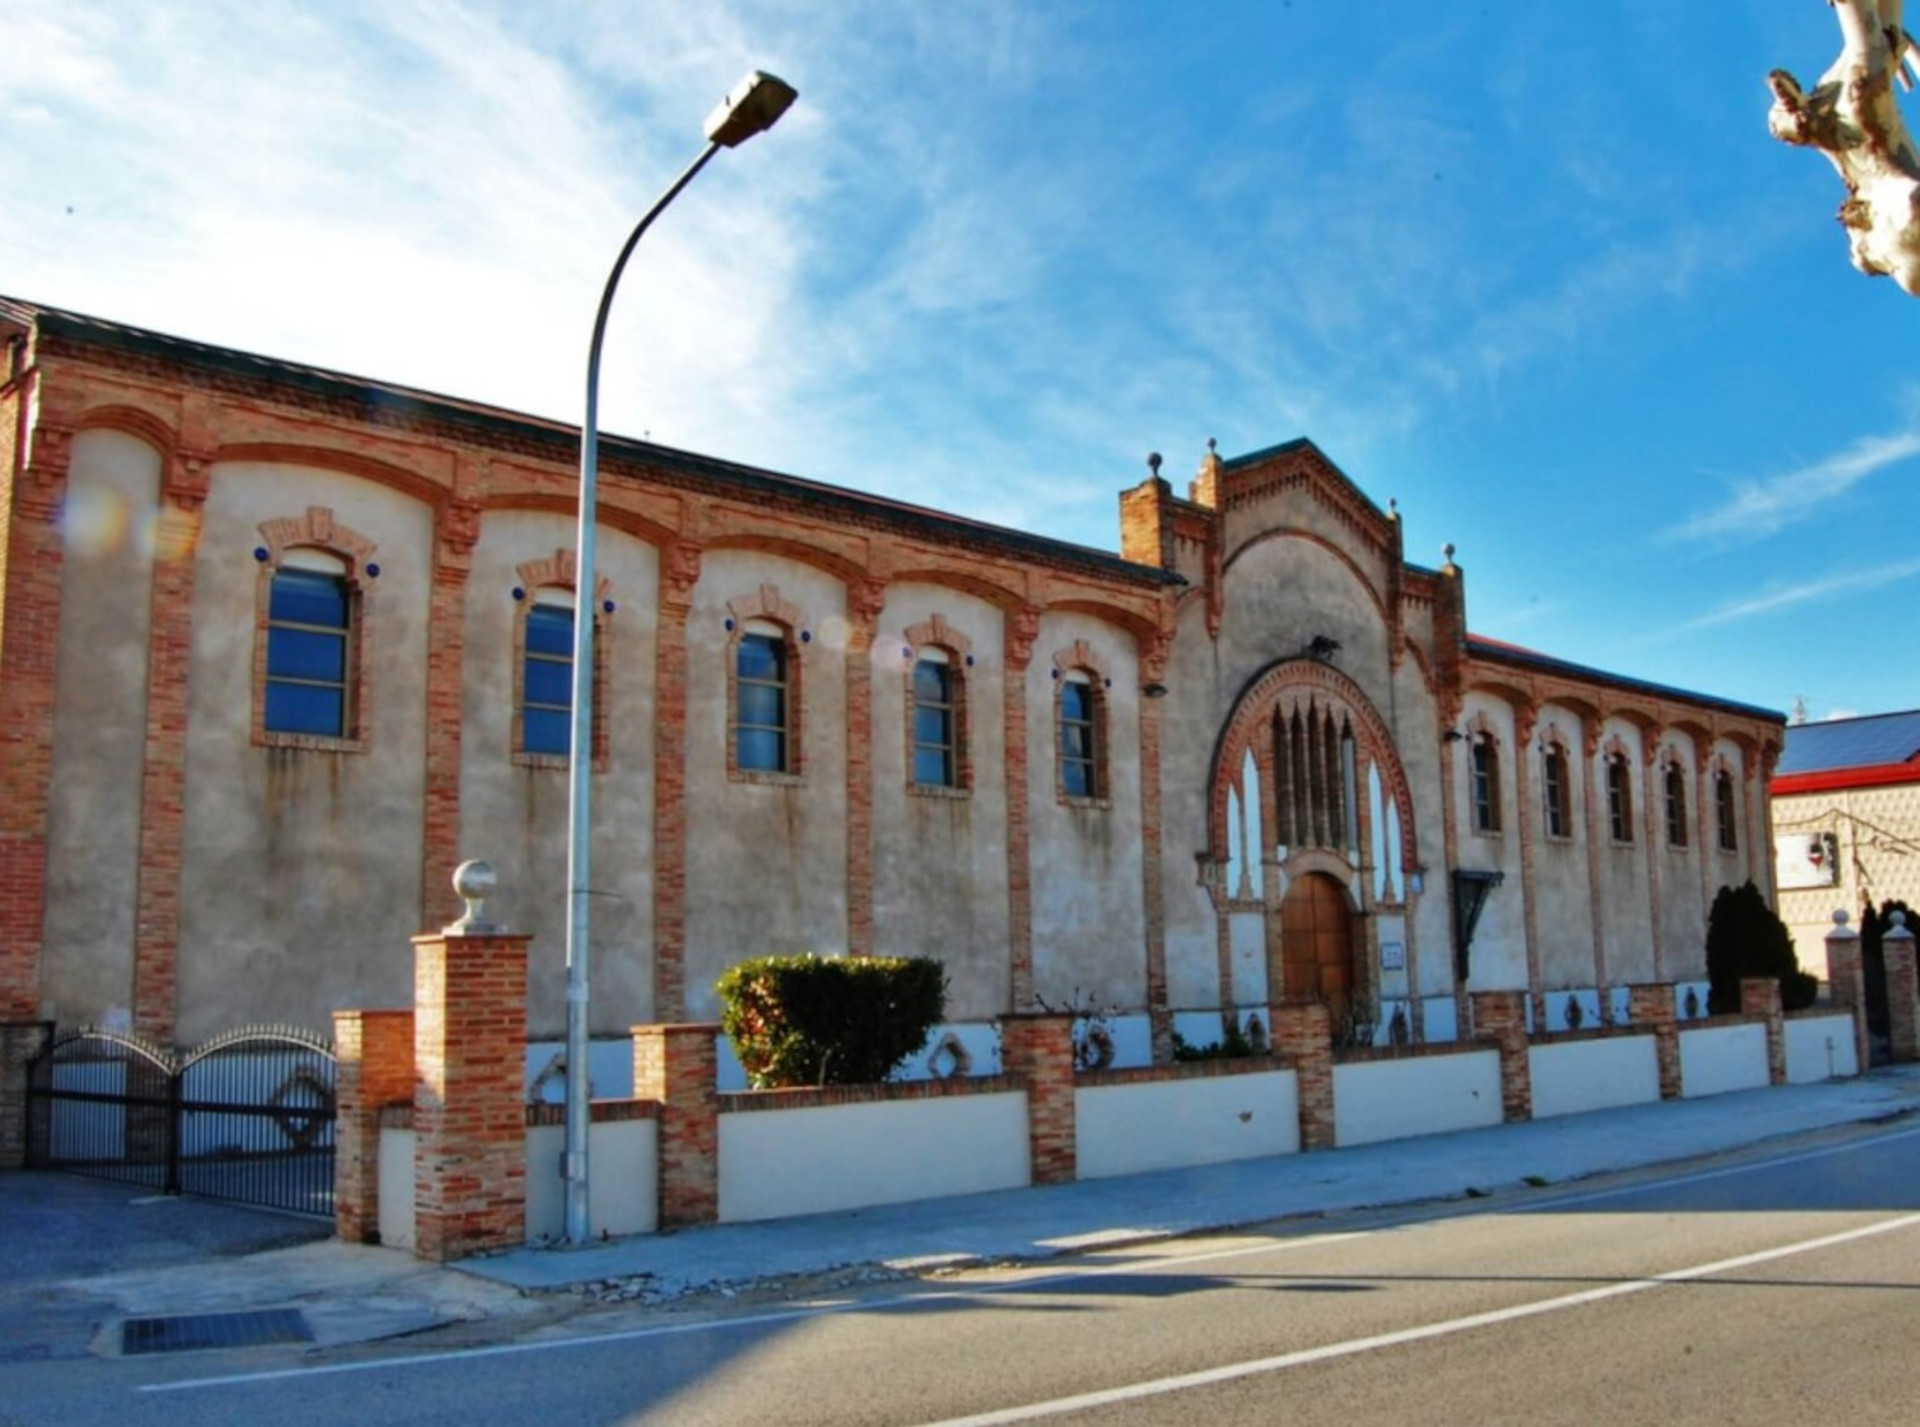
(474, 881)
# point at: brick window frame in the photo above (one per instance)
(1556, 787)
(1673, 789)
(282, 545)
(1726, 809)
(768, 607)
(1082, 666)
(555, 575)
(938, 638)
(1616, 770)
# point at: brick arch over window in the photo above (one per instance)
(1298, 683)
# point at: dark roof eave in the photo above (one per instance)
(403, 402)
(1503, 654)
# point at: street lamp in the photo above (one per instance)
(753, 106)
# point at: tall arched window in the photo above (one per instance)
(310, 647)
(1727, 814)
(1556, 791)
(1316, 777)
(1082, 739)
(761, 704)
(1485, 790)
(1676, 789)
(1619, 797)
(938, 750)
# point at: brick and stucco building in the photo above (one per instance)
(279, 647)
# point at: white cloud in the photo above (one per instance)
(1821, 591)
(1760, 508)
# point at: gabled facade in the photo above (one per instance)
(279, 647)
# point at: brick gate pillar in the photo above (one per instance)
(1847, 982)
(1651, 1004)
(1037, 1046)
(1903, 990)
(1760, 999)
(20, 1042)
(374, 1069)
(1303, 1034)
(676, 1065)
(469, 1098)
(1501, 1017)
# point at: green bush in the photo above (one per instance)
(1745, 938)
(1233, 1045)
(813, 1020)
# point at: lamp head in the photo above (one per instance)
(753, 106)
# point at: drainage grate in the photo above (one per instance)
(195, 1331)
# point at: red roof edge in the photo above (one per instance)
(1833, 780)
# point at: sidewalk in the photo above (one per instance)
(183, 1257)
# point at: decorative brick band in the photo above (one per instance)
(675, 1066)
(1038, 1048)
(1501, 1017)
(374, 1050)
(1303, 1034)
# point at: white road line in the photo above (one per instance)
(793, 1315)
(1233, 1371)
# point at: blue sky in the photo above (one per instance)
(1537, 272)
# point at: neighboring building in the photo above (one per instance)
(279, 647)
(1846, 823)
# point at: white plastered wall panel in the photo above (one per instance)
(1683, 916)
(1562, 881)
(99, 727)
(1626, 900)
(940, 856)
(1089, 918)
(1499, 953)
(300, 886)
(514, 813)
(766, 858)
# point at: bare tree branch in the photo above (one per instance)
(1853, 116)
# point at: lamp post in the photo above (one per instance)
(753, 106)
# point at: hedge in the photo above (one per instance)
(813, 1020)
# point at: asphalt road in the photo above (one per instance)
(1775, 1288)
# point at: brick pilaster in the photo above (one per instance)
(374, 1051)
(163, 774)
(1038, 1047)
(864, 603)
(469, 1102)
(456, 530)
(1501, 1017)
(1303, 1034)
(19, 1044)
(675, 1065)
(1651, 1004)
(679, 573)
(1846, 982)
(1022, 628)
(1760, 999)
(30, 572)
(1159, 1013)
(1903, 991)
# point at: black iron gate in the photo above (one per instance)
(247, 1116)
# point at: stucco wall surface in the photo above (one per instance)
(1716, 1059)
(1130, 1129)
(1820, 1048)
(777, 1163)
(1576, 1076)
(1429, 1095)
(623, 1196)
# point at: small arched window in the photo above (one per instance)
(1557, 791)
(1726, 813)
(1619, 797)
(1485, 791)
(1676, 789)
(938, 748)
(762, 705)
(310, 671)
(1082, 739)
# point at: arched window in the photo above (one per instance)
(1316, 776)
(762, 704)
(1676, 788)
(1726, 813)
(546, 674)
(1082, 738)
(311, 608)
(1485, 790)
(1557, 791)
(938, 726)
(1619, 797)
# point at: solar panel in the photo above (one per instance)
(1850, 743)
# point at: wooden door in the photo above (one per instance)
(1316, 945)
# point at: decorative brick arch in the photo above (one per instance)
(936, 631)
(1252, 716)
(556, 571)
(316, 529)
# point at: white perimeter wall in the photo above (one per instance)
(396, 1188)
(623, 1191)
(1716, 1059)
(1577, 1076)
(776, 1163)
(1426, 1095)
(1820, 1048)
(1127, 1129)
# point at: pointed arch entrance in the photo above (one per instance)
(1316, 946)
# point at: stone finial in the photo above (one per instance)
(474, 881)
(1153, 463)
